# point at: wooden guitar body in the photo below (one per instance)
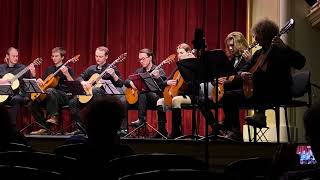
(14, 85)
(220, 90)
(86, 98)
(131, 95)
(171, 91)
(50, 82)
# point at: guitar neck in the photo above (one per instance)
(158, 67)
(21, 73)
(57, 71)
(104, 72)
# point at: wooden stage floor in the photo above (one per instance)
(219, 153)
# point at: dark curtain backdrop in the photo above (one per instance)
(36, 26)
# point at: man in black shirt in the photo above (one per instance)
(56, 97)
(101, 56)
(12, 66)
(147, 98)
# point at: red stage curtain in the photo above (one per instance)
(36, 26)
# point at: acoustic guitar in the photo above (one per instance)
(52, 80)
(171, 91)
(14, 79)
(132, 94)
(262, 61)
(95, 78)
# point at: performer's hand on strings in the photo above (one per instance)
(40, 82)
(132, 85)
(86, 84)
(246, 75)
(172, 82)
(156, 74)
(64, 70)
(32, 70)
(276, 41)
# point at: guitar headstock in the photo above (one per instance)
(169, 59)
(74, 59)
(121, 58)
(37, 61)
(289, 25)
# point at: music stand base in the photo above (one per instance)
(38, 124)
(145, 124)
(191, 136)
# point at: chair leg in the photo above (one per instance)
(277, 116)
(287, 124)
(254, 134)
(249, 133)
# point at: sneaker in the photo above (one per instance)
(39, 132)
(259, 120)
(53, 120)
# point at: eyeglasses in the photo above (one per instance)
(142, 59)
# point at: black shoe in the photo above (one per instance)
(258, 120)
(122, 132)
(232, 136)
(137, 123)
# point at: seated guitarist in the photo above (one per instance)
(101, 56)
(56, 97)
(146, 59)
(271, 85)
(184, 52)
(12, 66)
(236, 48)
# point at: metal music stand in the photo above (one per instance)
(75, 88)
(31, 86)
(212, 65)
(145, 83)
(110, 89)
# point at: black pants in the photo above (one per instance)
(15, 102)
(231, 101)
(145, 100)
(53, 101)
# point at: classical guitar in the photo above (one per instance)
(170, 92)
(14, 79)
(262, 61)
(228, 78)
(52, 80)
(95, 78)
(132, 94)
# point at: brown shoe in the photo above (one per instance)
(53, 120)
(39, 132)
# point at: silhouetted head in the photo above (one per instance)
(102, 118)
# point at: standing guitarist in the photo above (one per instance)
(146, 59)
(12, 66)
(101, 56)
(56, 97)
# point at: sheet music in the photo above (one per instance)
(109, 87)
(31, 86)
